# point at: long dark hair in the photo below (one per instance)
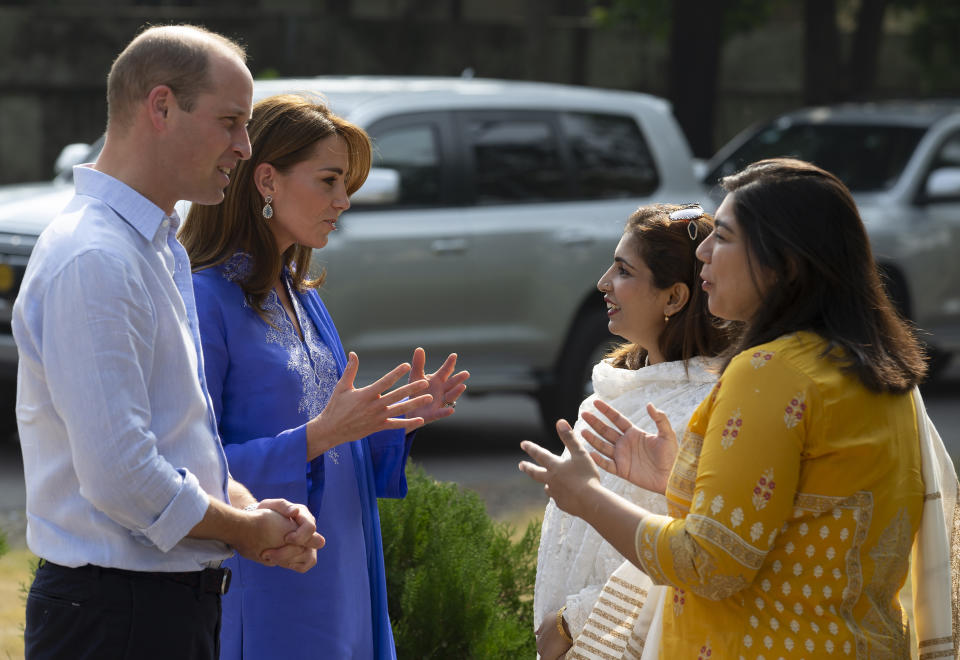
(284, 130)
(801, 224)
(666, 248)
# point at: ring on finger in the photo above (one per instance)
(449, 404)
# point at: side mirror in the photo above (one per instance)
(70, 155)
(381, 187)
(943, 184)
(699, 168)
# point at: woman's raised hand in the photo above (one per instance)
(565, 478)
(630, 453)
(445, 388)
(353, 413)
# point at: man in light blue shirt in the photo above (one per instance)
(129, 501)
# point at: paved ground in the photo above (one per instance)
(479, 449)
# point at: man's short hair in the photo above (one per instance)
(177, 56)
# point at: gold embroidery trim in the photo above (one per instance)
(935, 642)
(862, 503)
(611, 618)
(936, 654)
(684, 473)
(594, 649)
(652, 568)
(612, 632)
(723, 538)
(822, 503)
(626, 585)
(606, 602)
(624, 597)
(955, 566)
(933, 496)
(637, 642)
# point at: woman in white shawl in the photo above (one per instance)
(655, 303)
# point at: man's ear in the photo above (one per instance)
(679, 296)
(265, 179)
(159, 102)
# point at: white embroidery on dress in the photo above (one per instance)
(237, 268)
(311, 359)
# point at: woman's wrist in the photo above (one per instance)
(562, 627)
(318, 438)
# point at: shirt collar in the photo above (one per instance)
(135, 209)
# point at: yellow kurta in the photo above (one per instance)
(793, 504)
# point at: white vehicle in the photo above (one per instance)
(492, 210)
(901, 161)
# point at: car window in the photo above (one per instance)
(515, 158)
(610, 156)
(865, 157)
(414, 153)
(948, 155)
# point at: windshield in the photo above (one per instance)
(866, 157)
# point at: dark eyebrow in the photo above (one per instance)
(621, 260)
(336, 170)
(720, 224)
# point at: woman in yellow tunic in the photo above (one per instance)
(799, 486)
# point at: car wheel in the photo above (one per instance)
(588, 342)
(8, 413)
(937, 362)
(896, 287)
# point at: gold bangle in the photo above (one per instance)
(563, 631)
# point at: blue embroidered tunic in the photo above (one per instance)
(266, 384)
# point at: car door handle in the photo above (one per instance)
(448, 246)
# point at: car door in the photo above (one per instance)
(517, 186)
(541, 231)
(394, 273)
(937, 300)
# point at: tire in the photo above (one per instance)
(937, 362)
(8, 413)
(588, 342)
(896, 287)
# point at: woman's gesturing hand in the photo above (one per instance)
(630, 453)
(444, 387)
(567, 478)
(352, 413)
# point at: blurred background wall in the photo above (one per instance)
(723, 63)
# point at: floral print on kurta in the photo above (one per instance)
(792, 540)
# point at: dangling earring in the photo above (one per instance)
(267, 209)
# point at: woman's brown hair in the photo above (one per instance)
(666, 248)
(801, 224)
(284, 130)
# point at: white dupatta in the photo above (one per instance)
(935, 558)
(623, 625)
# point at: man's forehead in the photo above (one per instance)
(232, 85)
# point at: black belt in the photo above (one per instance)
(209, 580)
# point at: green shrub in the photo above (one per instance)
(457, 586)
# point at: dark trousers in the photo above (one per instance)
(92, 612)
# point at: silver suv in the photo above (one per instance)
(492, 210)
(901, 161)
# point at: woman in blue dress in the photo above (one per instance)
(292, 423)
